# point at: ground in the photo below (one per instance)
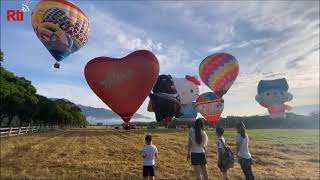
(94, 153)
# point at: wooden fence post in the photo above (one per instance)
(10, 131)
(27, 129)
(19, 131)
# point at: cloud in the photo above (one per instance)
(220, 47)
(273, 75)
(74, 93)
(115, 38)
(296, 61)
(270, 39)
(239, 45)
(119, 35)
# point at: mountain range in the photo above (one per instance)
(105, 116)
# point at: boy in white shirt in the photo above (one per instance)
(149, 154)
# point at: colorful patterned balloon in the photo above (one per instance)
(218, 72)
(210, 106)
(61, 26)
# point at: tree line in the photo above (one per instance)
(264, 122)
(21, 106)
(291, 120)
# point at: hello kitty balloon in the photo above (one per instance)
(188, 90)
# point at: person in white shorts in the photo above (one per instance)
(197, 143)
(244, 156)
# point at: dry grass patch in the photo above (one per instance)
(115, 154)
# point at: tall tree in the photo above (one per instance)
(17, 97)
(1, 57)
(18, 100)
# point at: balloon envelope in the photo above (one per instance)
(164, 100)
(218, 72)
(187, 88)
(123, 84)
(210, 106)
(189, 112)
(272, 94)
(61, 26)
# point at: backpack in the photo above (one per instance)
(228, 157)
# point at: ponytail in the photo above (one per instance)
(242, 132)
(241, 129)
(198, 127)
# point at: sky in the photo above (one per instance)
(270, 40)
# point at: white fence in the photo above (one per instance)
(16, 131)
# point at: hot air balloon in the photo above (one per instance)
(188, 90)
(218, 72)
(164, 100)
(272, 94)
(210, 106)
(61, 26)
(123, 84)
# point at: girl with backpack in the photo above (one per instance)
(198, 141)
(244, 156)
(223, 163)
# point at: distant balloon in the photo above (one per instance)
(164, 100)
(210, 106)
(218, 72)
(61, 26)
(272, 94)
(123, 84)
(188, 90)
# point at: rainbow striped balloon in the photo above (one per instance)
(208, 97)
(218, 72)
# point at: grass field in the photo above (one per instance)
(94, 153)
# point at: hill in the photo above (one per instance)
(105, 116)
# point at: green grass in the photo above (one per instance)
(277, 136)
(259, 136)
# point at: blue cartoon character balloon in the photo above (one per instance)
(272, 94)
(188, 90)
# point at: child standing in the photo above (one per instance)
(244, 156)
(221, 143)
(197, 143)
(149, 154)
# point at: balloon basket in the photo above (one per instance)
(56, 65)
(213, 124)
